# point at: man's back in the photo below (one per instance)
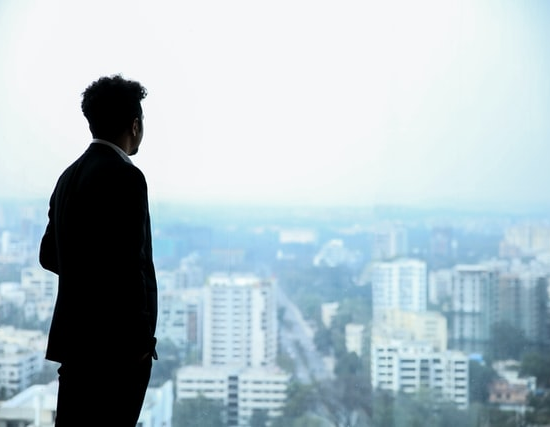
(100, 246)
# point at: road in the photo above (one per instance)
(297, 341)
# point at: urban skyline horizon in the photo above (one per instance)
(450, 206)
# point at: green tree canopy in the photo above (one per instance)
(348, 364)
(199, 412)
(164, 368)
(259, 418)
(507, 341)
(479, 378)
(537, 365)
(323, 340)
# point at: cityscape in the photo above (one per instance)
(311, 316)
(351, 226)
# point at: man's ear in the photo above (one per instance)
(136, 125)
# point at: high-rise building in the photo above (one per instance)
(482, 295)
(399, 284)
(472, 303)
(239, 350)
(522, 300)
(390, 241)
(240, 321)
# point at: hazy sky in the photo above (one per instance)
(290, 101)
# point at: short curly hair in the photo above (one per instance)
(110, 104)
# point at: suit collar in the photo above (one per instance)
(115, 147)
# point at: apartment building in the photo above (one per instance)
(429, 327)
(399, 284)
(180, 318)
(18, 368)
(36, 406)
(239, 349)
(521, 299)
(24, 338)
(471, 310)
(508, 291)
(39, 283)
(240, 321)
(240, 390)
(409, 366)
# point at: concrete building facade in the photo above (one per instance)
(410, 367)
(240, 390)
(240, 321)
(399, 284)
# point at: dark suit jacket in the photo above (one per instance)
(98, 241)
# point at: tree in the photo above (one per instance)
(323, 340)
(496, 417)
(346, 400)
(382, 408)
(198, 412)
(537, 365)
(300, 399)
(47, 374)
(348, 364)
(359, 307)
(540, 409)
(507, 341)
(418, 410)
(168, 361)
(259, 418)
(306, 420)
(480, 378)
(4, 393)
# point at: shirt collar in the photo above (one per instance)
(115, 147)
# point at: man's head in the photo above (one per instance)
(112, 106)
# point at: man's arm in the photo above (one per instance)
(48, 246)
(126, 227)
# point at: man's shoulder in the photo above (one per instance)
(100, 163)
(114, 170)
(107, 160)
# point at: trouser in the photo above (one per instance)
(102, 394)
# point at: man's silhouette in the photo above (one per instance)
(98, 241)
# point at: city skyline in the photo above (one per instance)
(267, 308)
(361, 103)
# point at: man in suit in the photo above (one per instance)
(98, 241)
